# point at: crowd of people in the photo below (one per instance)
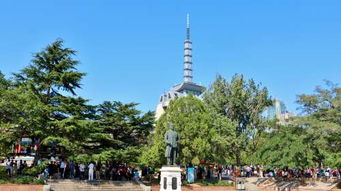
(14, 167)
(56, 169)
(260, 171)
(89, 171)
(229, 171)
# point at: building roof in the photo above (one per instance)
(189, 86)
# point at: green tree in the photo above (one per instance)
(201, 137)
(6, 136)
(120, 131)
(322, 121)
(4, 83)
(285, 147)
(242, 102)
(58, 118)
(41, 103)
(20, 114)
(312, 139)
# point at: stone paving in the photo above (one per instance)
(77, 185)
(270, 184)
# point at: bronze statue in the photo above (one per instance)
(171, 139)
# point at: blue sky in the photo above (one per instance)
(133, 50)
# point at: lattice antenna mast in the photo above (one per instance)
(188, 55)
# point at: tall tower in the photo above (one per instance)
(187, 86)
(188, 76)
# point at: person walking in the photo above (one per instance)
(91, 171)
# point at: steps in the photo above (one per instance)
(82, 185)
(295, 185)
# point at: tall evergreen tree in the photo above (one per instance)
(51, 78)
(120, 131)
(41, 103)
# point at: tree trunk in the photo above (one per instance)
(238, 157)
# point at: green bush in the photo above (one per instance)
(3, 181)
(215, 183)
(28, 178)
(2, 173)
(39, 181)
(184, 182)
(36, 170)
(23, 180)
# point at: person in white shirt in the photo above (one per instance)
(62, 167)
(91, 171)
(8, 167)
(82, 170)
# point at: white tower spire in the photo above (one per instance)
(187, 27)
(188, 55)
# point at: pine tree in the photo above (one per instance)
(50, 79)
(120, 130)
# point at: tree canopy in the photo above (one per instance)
(41, 103)
(285, 147)
(312, 139)
(225, 125)
(201, 137)
(242, 102)
(322, 121)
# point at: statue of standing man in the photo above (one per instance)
(171, 139)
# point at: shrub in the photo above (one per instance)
(39, 181)
(36, 170)
(216, 183)
(2, 173)
(23, 180)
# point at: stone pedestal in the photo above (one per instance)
(170, 178)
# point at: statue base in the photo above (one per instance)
(170, 178)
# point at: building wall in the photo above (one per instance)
(159, 111)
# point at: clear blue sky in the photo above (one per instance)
(133, 50)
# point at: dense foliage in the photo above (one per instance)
(224, 126)
(203, 134)
(120, 131)
(242, 102)
(41, 102)
(21, 179)
(322, 121)
(285, 147)
(313, 139)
